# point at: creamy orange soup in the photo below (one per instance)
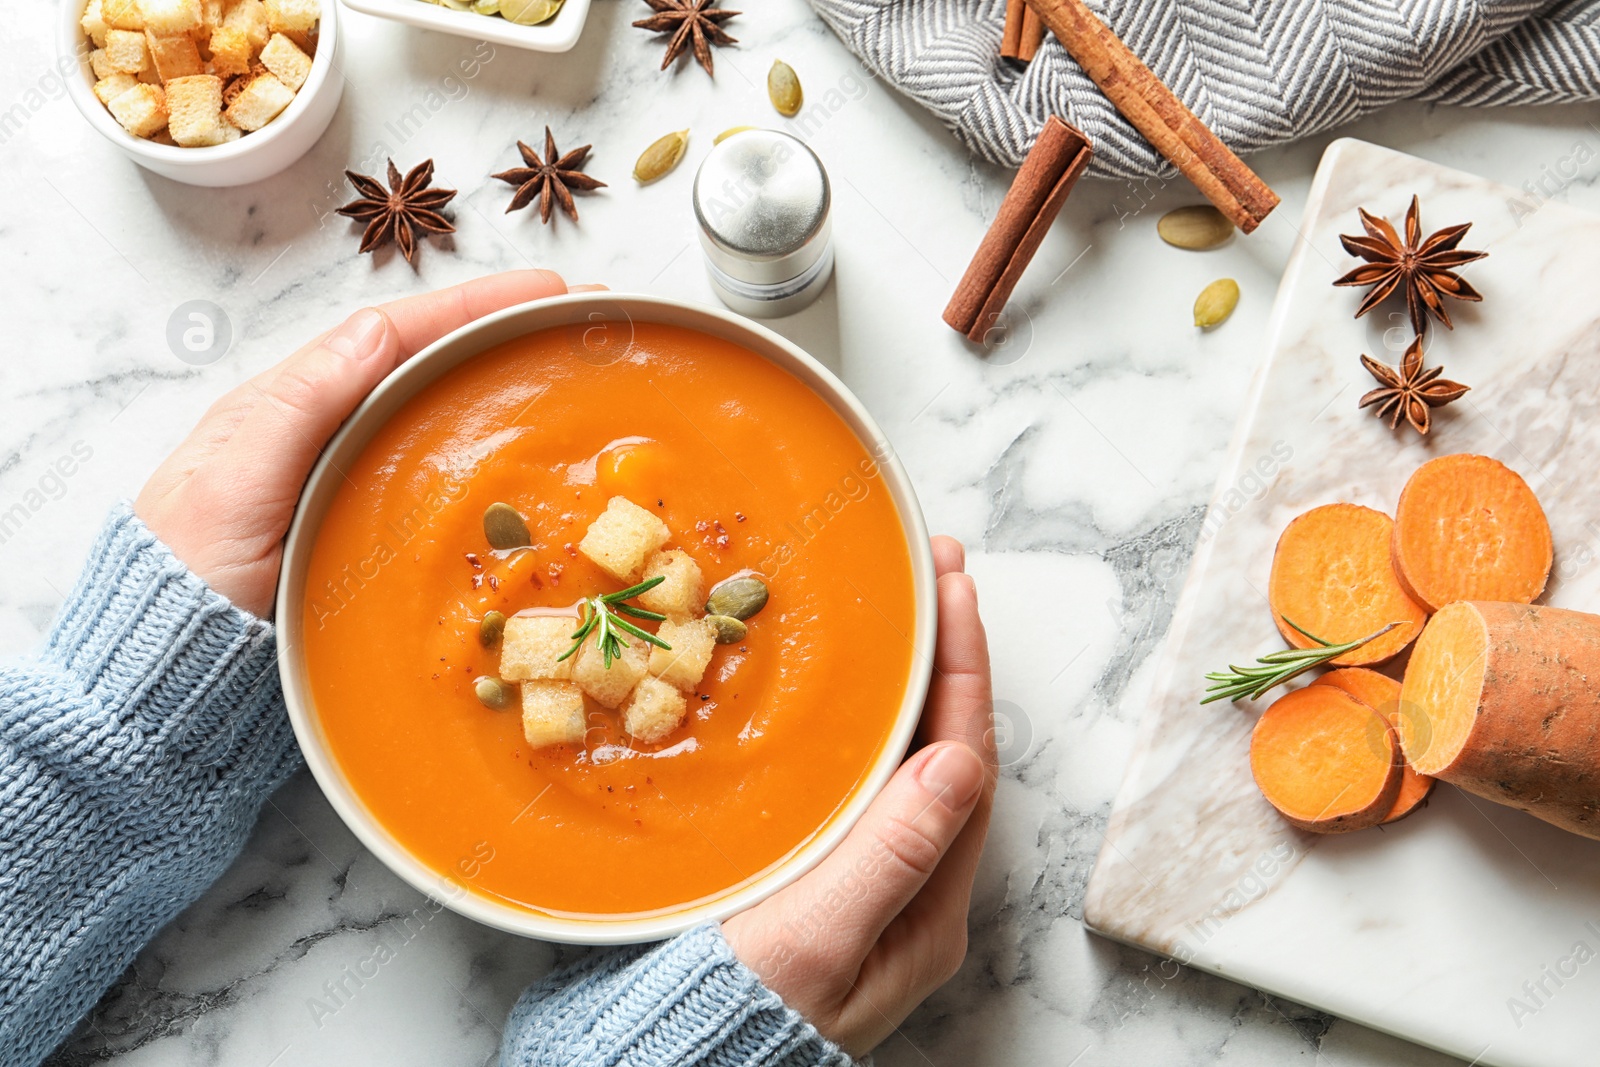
(751, 471)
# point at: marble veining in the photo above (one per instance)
(1075, 461)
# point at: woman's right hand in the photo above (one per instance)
(864, 938)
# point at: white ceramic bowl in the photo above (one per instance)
(427, 367)
(249, 159)
(557, 35)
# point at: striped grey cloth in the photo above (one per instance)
(1258, 72)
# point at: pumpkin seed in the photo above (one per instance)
(491, 629)
(729, 132)
(529, 12)
(492, 692)
(737, 598)
(783, 88)
(1196, 227)
(504, 528)
(729, 630)
(1215, 303)
(663, 154)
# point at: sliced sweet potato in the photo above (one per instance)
(1504, 702)
(1469, 528)
(1332, 577)
(1382, 694)
(1326, 761)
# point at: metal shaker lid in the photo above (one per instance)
(762, 200)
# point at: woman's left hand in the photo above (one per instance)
(223, 500)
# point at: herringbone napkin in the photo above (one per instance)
(1258, 72)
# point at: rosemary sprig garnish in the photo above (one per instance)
(1237, 683)
(602, 616)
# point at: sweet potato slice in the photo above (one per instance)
(1469, 528)
(1326, 761)
(1332, 577)
(1382, 694)
(1504, 702)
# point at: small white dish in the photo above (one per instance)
(359, 429)
(556, 35)
(252, 157)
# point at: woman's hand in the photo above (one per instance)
(223, 500)
(859, 942)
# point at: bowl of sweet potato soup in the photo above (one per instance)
(605, 616)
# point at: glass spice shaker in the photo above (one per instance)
(762, 200)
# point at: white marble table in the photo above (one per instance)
(1076, 463)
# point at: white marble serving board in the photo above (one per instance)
(1468, 927)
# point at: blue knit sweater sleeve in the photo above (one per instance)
(687, 1002)
(135, 752)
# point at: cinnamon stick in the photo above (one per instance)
(1023, 33)
(1032, 35)
(1159, 115)
(1011, 36)
(1041, 186)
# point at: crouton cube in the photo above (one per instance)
(174, 57)
(654, 710)
(682, 593)
(121, 14)
(141, 110)
(126, 52)
(622, 537)
(692, 641)
(250, 19)
(305, 40)
(94, 23)
(610, 686)
(168, 17)
(292, 14)
(230, 52)
(211, 16)
(532, 647)
(552, 713)
(100, 63)
(194, 107)
(259, 102)
(113, 86)
(286, 62)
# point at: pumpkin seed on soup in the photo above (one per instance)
(1196, 227)
(663, 154)
(491, 692)
(503, 526)
(737, 598)
(1215, 303)
(783, 88)
(491, 629)
(728, 630)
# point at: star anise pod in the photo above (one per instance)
(692, 23)
(1424, 269)
(398, 212)
(1409, 390)
(549, 180)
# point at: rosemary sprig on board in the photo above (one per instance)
(1238, 683)
(602, 616)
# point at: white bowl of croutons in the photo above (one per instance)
(205, 92)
